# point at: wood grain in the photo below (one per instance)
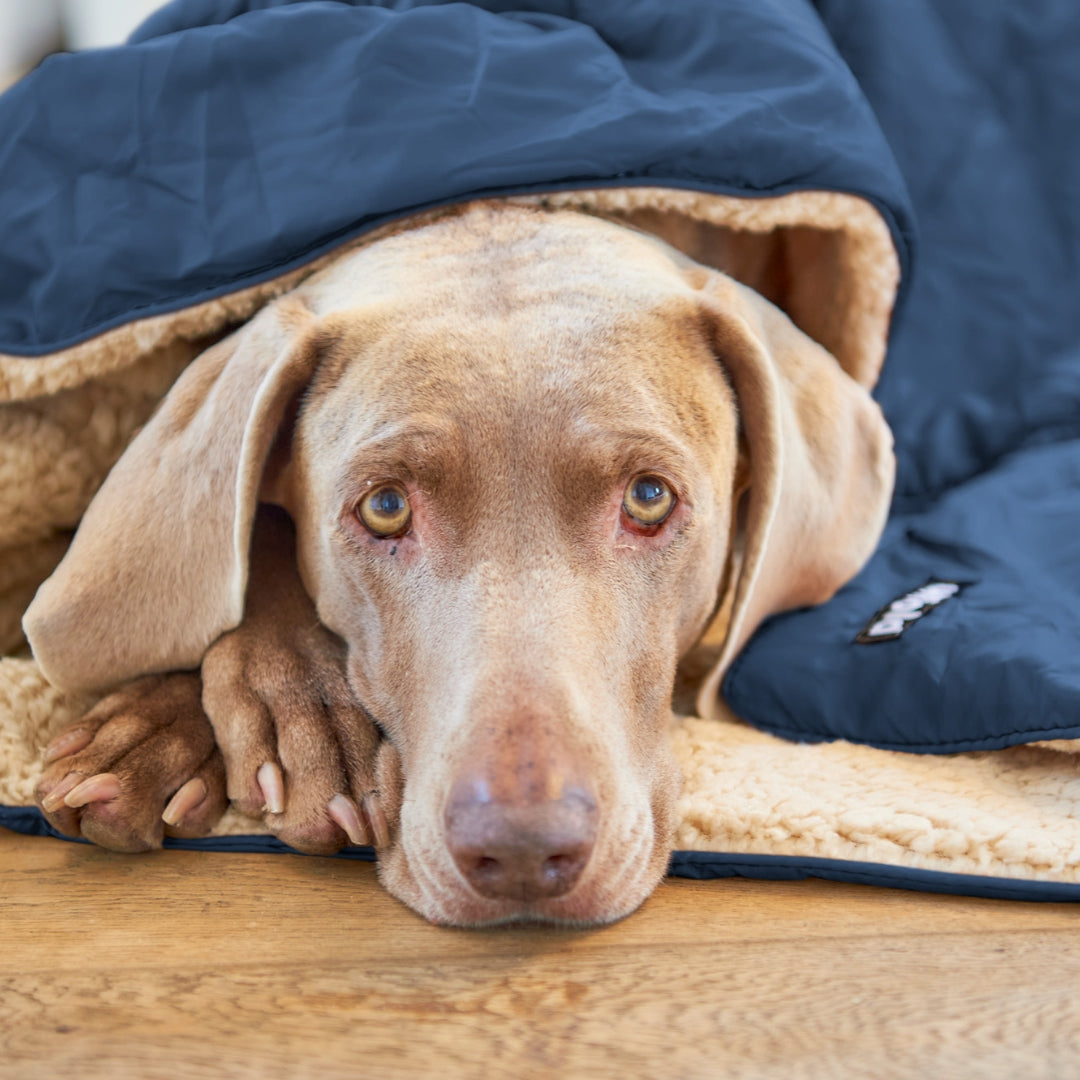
(182, 964)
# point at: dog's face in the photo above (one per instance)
(512, 491)
(512, 442)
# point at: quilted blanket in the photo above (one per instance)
(901, 178)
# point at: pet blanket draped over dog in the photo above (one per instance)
(155, 195)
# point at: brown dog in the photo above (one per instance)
(528, 456)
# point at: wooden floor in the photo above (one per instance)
(182, 964)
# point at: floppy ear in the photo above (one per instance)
(821, 469)
(158, 568)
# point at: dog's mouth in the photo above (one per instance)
(602, 892)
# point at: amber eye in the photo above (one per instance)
(385, 510)
(648, 500)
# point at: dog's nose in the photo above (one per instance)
(525, 849)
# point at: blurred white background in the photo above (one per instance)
(29, 29)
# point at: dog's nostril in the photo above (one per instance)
(486, 869)
(557, 866)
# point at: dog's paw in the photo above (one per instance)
(300, 753)
(140, 765)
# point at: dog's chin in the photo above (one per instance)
(609, 890)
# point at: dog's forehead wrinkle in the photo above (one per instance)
(412, 437)
(519, 436)
(524, 362)
(486, 259)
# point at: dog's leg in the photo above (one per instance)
(141, 764)
(299, 750)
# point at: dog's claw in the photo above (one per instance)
(100, 788)
(55, 799)
(272, 785)
(374, 811)
(344, 813)
(70, 742)
(184, 801)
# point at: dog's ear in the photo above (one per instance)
(158, 568)
(821, 468)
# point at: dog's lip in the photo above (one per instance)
(582, 906)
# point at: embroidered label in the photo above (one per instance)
(891, 621)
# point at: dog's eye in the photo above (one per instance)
(648, 500)
(385, 510)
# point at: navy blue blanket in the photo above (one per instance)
(230, 141)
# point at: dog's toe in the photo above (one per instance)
(198, 804)
(310, 829)
(299, 751)
(140, 765)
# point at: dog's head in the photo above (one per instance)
(528, 454)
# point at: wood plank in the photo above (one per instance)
(184, 964)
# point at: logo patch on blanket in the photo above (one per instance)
(891, 621)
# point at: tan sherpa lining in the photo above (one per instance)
(1011, 813)
(828, 260)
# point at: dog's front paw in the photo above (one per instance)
(300, 753)
(139, 765)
